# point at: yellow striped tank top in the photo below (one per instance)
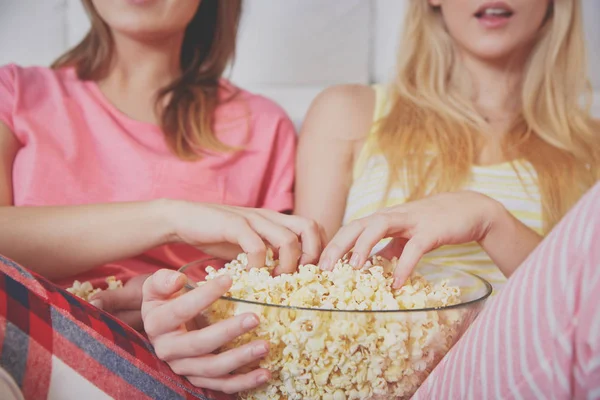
(512, 185)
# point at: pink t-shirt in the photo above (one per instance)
(77, 148)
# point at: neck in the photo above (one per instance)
(147, 66)
(496, 87)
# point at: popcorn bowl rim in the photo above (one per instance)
(191, 285)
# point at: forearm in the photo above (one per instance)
(508, 241)
(58, 242)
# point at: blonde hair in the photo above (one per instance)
(208, 46)
(430, 114)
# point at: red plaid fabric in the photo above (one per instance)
(56, 346)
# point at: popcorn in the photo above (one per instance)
(322, 353)
(85, 290)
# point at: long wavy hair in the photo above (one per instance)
(208, 47)
(432, 112)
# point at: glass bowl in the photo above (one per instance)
(350, 354)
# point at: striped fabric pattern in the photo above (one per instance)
(513, 186)
(58, 347)
(540, 337)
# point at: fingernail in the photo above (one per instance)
(173, 279)
(260, 350)
(263, 378)
(250, 322)
(223, 280)
(397, 284)
(354, 260)
(96, 303)
(326, 264)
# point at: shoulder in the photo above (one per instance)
(340, 99)
(8, 71)
(343, 112)
(9, 76)
(33, 74)
(263, 106)
(34, 81)
(266, 120)
(255, 104)
(349, 95)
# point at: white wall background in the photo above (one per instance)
(289, 50)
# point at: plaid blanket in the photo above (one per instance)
(56, 346)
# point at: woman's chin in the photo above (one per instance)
(146, 32)
(140, 2)
(498, 55)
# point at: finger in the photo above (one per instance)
(310, 233)
(206, 340)
(162, 285)
(341, 243)
(377, 229)
(242, 233)
(414, 250)
(170, 315)
(324, 238)
(216, 365)
(125, 298)
(283, 239)
(223, 251)
(311, 236)
(393, 249)
(133, 318)
(233, 383)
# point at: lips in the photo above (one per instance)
(139, 2)
(494, 15)
(494, 10)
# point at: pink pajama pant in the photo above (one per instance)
(540, 337)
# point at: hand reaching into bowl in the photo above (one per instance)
(226, 231)
(124, 303)
(167, 313)
(168, 320)
(421, 226)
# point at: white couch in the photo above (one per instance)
(289, 50)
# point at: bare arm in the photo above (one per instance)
(62, 241)
(333, 132)
(58, 242)
(421, 226)
(508, 241)
(8, 150)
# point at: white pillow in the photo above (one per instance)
(32, 32)
(77, 22)
(388, 22)
(303, 42)
(591, 23)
